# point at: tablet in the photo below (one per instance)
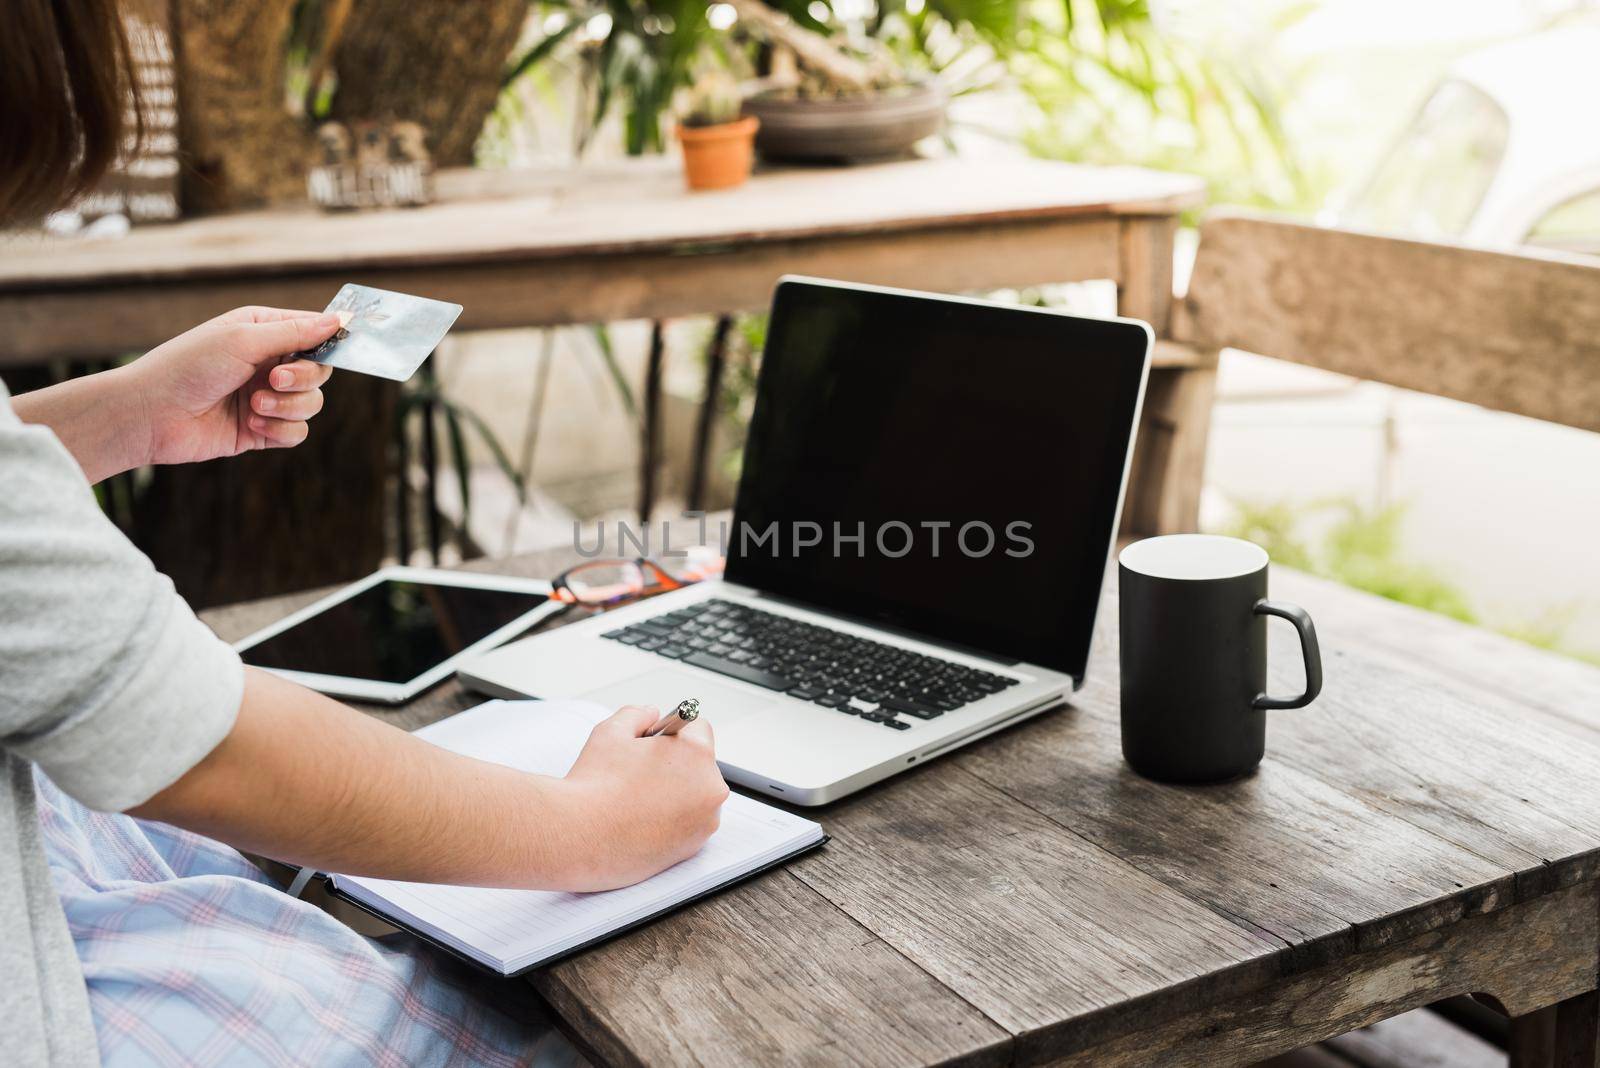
(397, 631)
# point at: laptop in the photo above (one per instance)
(926, 510)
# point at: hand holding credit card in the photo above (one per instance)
(383, 333)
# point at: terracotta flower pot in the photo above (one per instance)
(718, 157)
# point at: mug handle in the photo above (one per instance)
(1308, 650)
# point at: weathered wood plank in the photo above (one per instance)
(1401, 757)
(1420, 1038)
(1168, 353)
(1145, 289)
(1416, 1039)
(1309, 874)
(1563, 1035)
(1533, 1039)
(1447, 760)
(133, 315)
(1515, 332)
(1280, 851)
(1577, 1037)
(1306, 1057)
(1410, 637)
(1458, 687)
(1466, 693)
(1529, 955)
(766, 973)
(1024, 920)
(631, 208)
(1169, 457)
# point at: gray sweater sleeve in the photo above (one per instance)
(107, 679)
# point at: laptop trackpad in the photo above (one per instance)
(664, 688)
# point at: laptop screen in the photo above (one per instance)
(942, 467)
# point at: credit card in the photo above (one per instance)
(383, 333)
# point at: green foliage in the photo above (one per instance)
(1361, 547)
(1104, 81)
(633, 55)
(1547, 631)
(736, 399)
(541, 50)
(1357, 546)
(1274, 527)
(1107, 82)
(964, 42)
(714, 100)
(608, 357)
(424, 398)
(1112, 85)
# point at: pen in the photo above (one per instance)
(673, 722)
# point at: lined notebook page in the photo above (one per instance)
(509, 930)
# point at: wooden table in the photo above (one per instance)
(1429, 827)
(528, 249)
(608, 243)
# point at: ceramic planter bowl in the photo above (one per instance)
(872, 126)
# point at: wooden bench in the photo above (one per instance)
(1514, 332)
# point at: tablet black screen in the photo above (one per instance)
(393, 631)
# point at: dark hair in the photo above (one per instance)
(64, 88)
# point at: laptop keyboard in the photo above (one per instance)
(854, 675)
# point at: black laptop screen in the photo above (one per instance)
(941, 467)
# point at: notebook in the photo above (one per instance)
(511, 931)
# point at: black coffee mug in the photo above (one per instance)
(1194, 656)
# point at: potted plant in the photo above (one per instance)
(718, 139)
(834, 98)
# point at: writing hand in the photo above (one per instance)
(642, 804)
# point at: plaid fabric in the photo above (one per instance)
(192, 956)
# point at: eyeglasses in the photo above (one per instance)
(609, 583)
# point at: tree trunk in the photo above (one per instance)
(241, 146)
(282, 519)
(435, 64)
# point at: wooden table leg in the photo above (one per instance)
(1169, 459)
(1564, 1035)
(1533, 1039)
(430, 461)
(700, 461)
(402, 488)
(650, 423)
(1577, 1029)
(1144, 281)
(1577, 1040)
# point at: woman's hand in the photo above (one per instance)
(306, 780)
(218, 390)
(641, 804)
(221, 388)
